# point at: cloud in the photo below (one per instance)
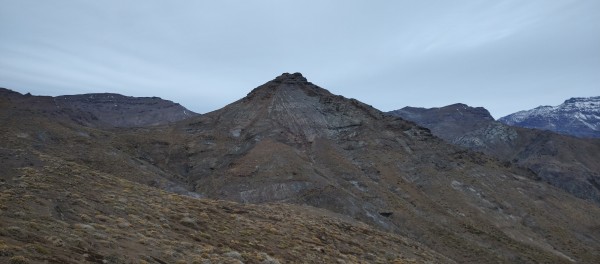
(389, 54)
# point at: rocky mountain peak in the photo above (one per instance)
(577, 116)
(582, 104)
(287, 82)
(463, 110)
(449, 121)
(582, 99)
(291, 78)
(291, 104)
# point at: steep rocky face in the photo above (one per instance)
(292, 141)
(104, 109)
(578, 117)
(565, 162)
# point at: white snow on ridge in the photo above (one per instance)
(582, 111)
(589, 118)
(525, 114)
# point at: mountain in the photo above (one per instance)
(291, 141)
(566, 162)
(447, 122)
(285, 149)
(69, 194)
(578, 117)
(103, 109)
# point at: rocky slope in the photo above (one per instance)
(103, 109)
(62, 212)
(578, 117)
(565, 162)
(288, 141)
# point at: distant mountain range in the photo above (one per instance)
(566, 162)
(103, 109)
(579, 117)
(447, 122)
(309, 176)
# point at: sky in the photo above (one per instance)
(504, 55)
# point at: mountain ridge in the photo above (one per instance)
(104, 109)
(577, 116)
(551, 156)
(455, 118)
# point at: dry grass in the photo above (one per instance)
(78, 215)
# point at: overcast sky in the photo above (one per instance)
(503, 55)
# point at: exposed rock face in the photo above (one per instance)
(566, 162)
(104, 109)
(578, 117)
(448, 122)
(290, 141)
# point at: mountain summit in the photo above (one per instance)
(291, 106)
(578, 117)
(447, 122)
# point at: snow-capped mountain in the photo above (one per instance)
(577, 117)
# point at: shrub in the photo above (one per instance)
(18, 260)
